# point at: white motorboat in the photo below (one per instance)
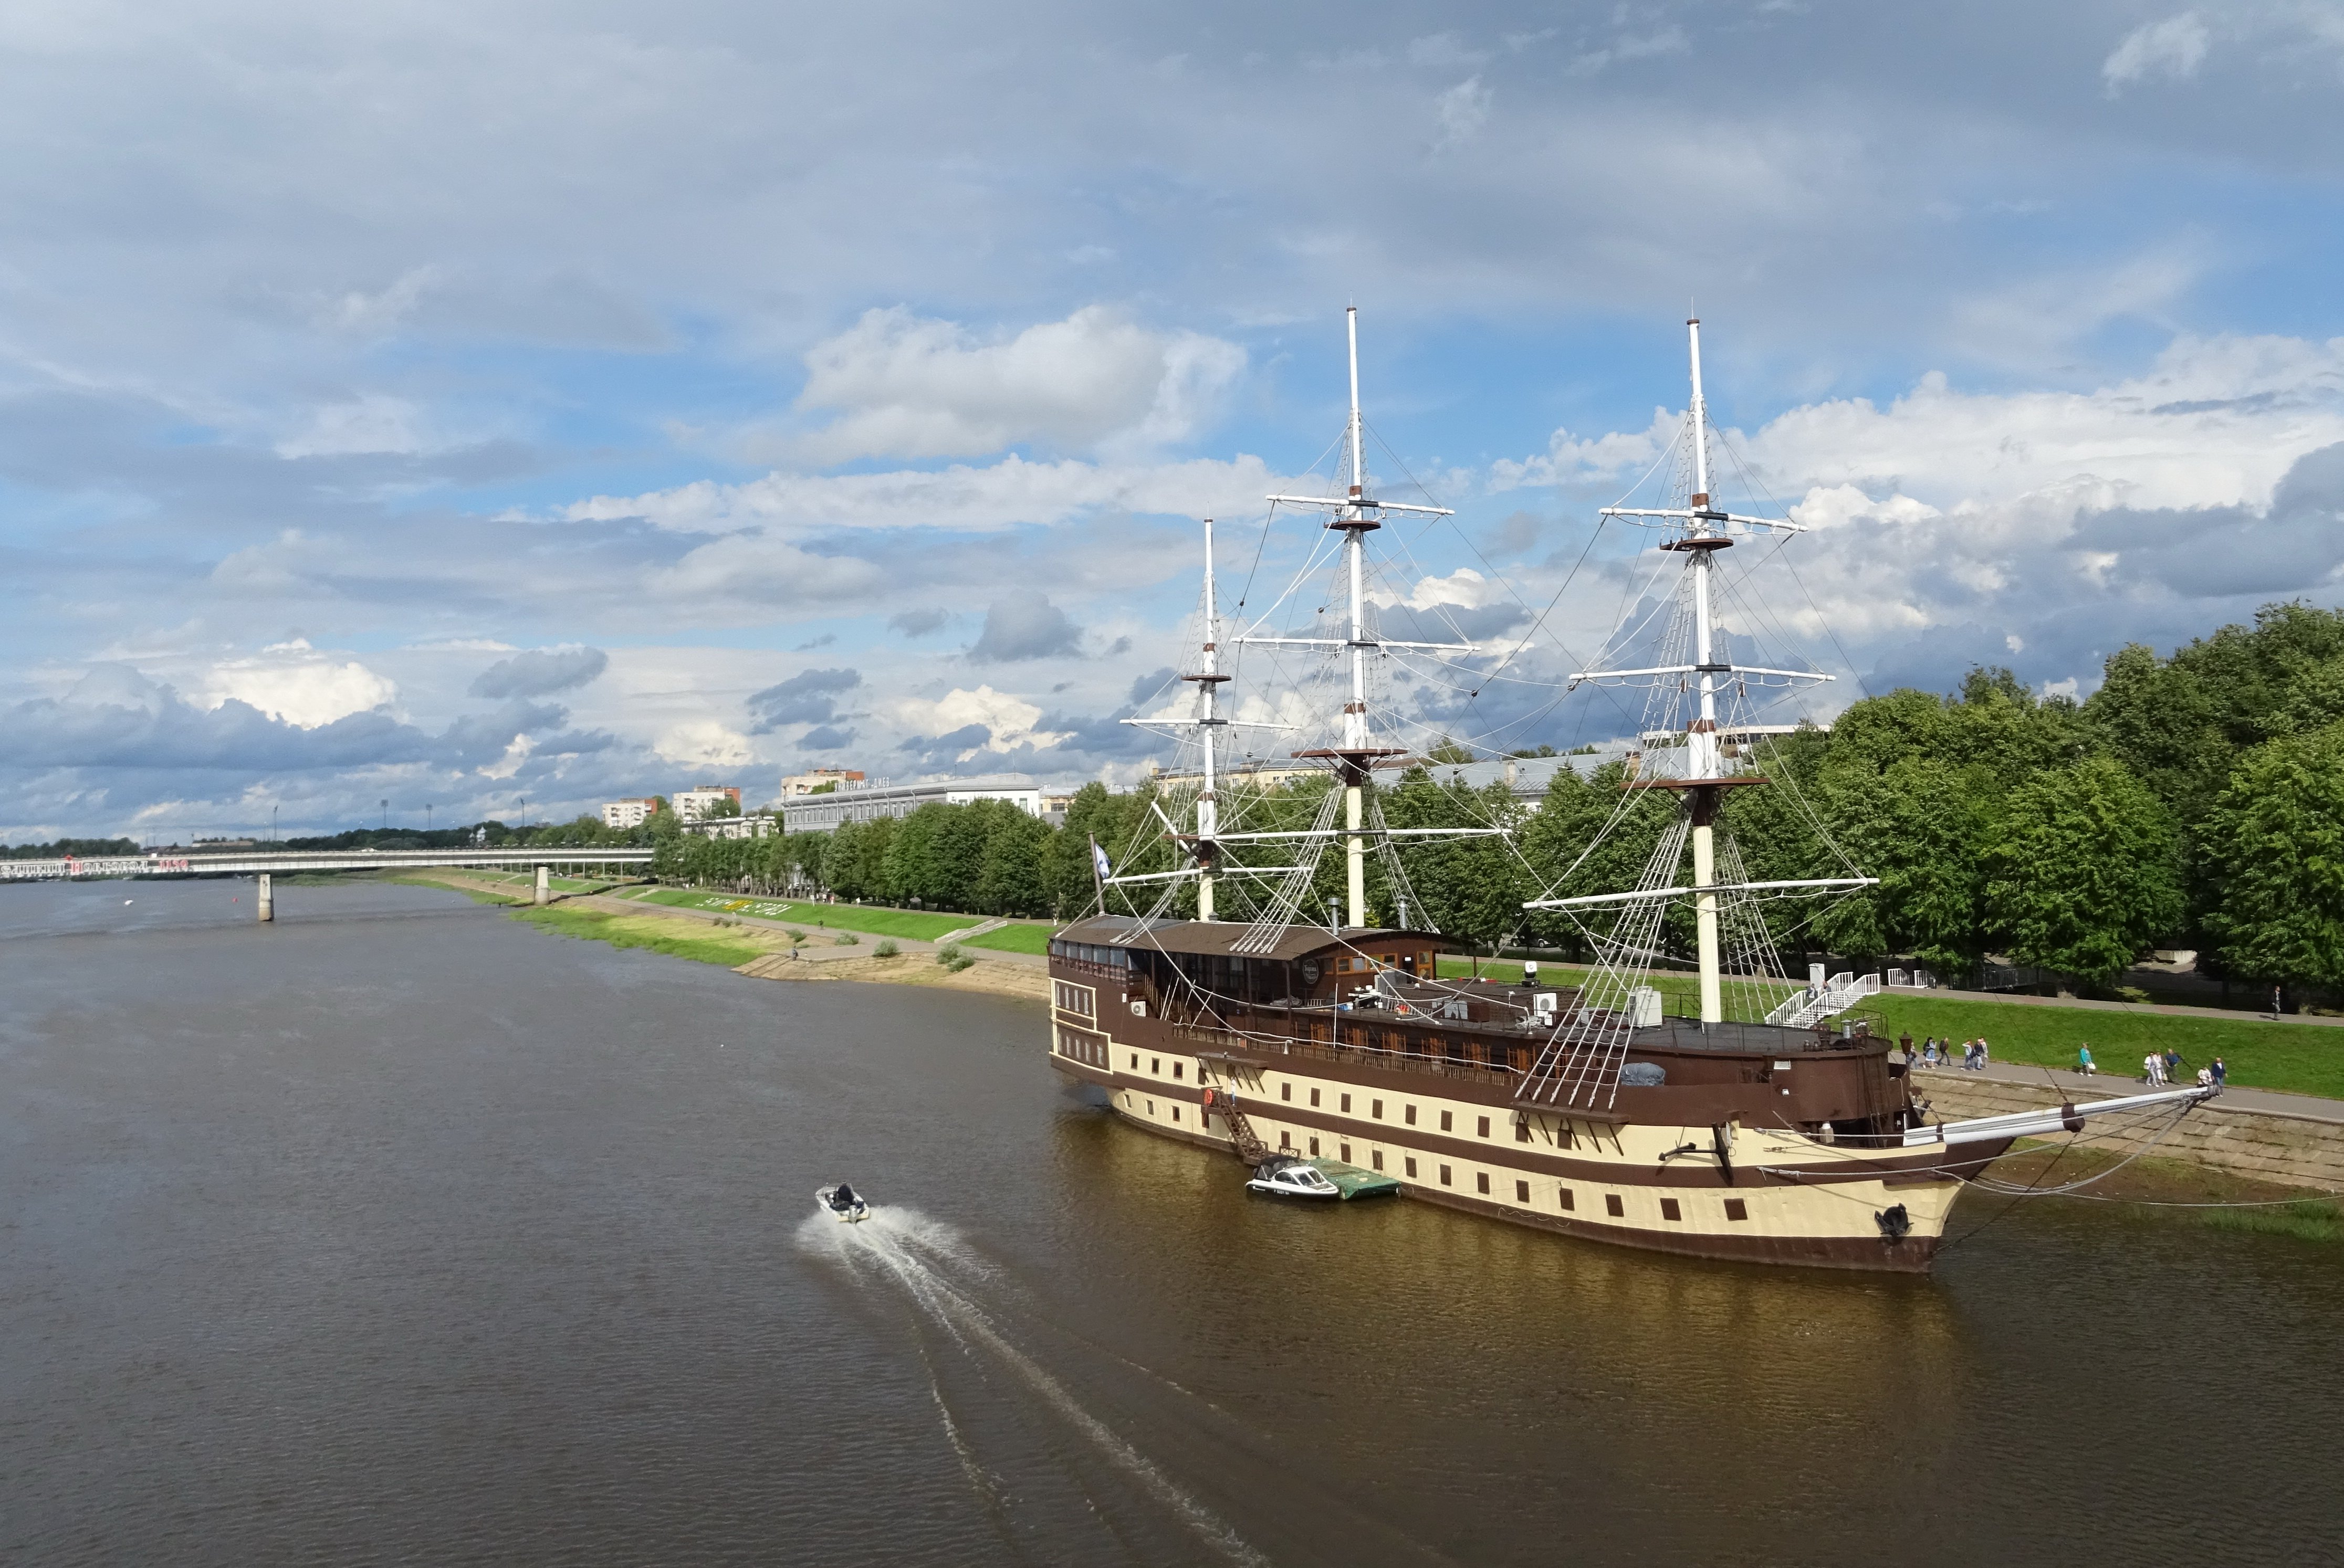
(1287, 1178)
(843, 1203)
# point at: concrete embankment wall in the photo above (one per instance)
(2268, 1147)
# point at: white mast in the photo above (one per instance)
(1700, 742)
(1700, 532)
(1356, 514)
(1355, 712)
(1209, 681)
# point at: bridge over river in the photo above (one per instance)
(263, 864)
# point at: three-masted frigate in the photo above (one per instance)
(1778, 1128)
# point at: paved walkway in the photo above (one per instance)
(2107, 1085)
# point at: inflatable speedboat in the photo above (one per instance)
(1283, 1177)
(843, 1203)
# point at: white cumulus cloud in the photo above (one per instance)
(293, 682)
(1010, 720)
(910, 387)
(2173, 49)
(705, 743)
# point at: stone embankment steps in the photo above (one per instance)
(986, 928)
(2296, 1146)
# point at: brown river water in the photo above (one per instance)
(399, 1232)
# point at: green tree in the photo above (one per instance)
(1575, 847)
(1009, 869)
(1471, 887)
(1921, 828)
(2275, 850)
(2081, 873)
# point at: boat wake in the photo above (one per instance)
(926, 1264)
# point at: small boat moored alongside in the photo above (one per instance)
(1281, 1177)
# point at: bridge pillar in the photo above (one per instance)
(544, 883)
(264, 899)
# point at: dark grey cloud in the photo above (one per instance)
(917, 622)
(1147, 685)
(1024, 624)
(119, 746)
(942, 752)
(541, 672)
(827, 737)
(809, 696)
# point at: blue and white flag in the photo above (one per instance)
(1098, 856)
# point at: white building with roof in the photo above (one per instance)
(629, 813)
(860, 802)
(692, 805)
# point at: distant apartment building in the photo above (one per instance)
(692, 805)
(862, 801)
(818, 782)
(629, 813)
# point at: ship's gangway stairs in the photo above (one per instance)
(1219, 1102)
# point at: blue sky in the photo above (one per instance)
(457, 403)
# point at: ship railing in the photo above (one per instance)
(1360, 1055)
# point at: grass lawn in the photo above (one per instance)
(1680, 991)
(1013, 940)
(660, 936)
(2306, 1059)
(922, 928)
(2303, 1058)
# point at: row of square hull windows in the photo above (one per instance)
(1565, 1200)
(1375, 1107)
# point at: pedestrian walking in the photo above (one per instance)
(2152, 1069)
(2205, 1078)
(1986, 1053)
(2173, 1063)
(2084, 1062)
(2221, 1072)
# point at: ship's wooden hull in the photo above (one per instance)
(1774, 1197)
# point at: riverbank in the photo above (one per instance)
(754, 938)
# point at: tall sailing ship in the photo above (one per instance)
(1762, 1122)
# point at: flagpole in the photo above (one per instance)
(1098, 876)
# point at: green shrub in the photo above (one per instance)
(885, 949)
(846, 940)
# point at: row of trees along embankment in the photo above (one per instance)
(2194, 801)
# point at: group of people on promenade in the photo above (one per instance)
(2156, 1068)
(1940, 1053)
(2165, 1067)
